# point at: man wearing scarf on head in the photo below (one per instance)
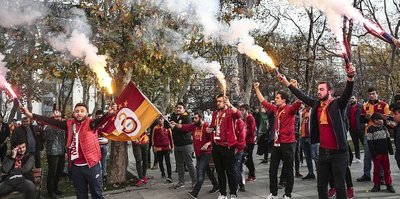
(83, 152)
(18, 168)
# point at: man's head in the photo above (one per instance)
(395, 109)
(198, 118)
(325, 91)
(180, 108)
(281, 98)
(372, 94)
(25, 122)
(98, 114)
(220, 102)
(353, 99)
(244, 109)
(20, 144)
(80, 112)
(377, 118)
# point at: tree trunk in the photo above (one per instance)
(184, 90)
(249, 81)
(119, 150)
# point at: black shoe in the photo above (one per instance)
(51, 195)
(264, 162)
(390, 189)
(58, 192)
(214, 190)
(298, 175)
(375, 189)
(192, 194)
(364, 178)
(242, 188)
(309, 176)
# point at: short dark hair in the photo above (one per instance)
(18, 141)
(245, 107)
(372, 89)
(329, 85)
(81, 104)
(99, 112)
(376, 116)
(284, 95)
(24, 118)
(220, 95)
(394, 107)
(199, 113)
(180, 104)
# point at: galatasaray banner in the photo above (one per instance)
(135, 114)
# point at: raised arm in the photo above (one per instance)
(298, 93)
(260, 97)
(345, 97)
(48, 120)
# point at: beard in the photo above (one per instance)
(198, 123)
(83, 119)
(324, 98)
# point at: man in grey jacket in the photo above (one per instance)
(55, 151)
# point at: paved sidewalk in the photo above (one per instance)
(157, 189)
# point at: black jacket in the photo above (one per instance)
(181, 138)
(336, 114)
(4, 133)
(28, 161)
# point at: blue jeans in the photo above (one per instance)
(202, 169)
(104, 149)
(238, 168)
(306, 145)
(82, 176)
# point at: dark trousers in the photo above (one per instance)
(297, 156)
(224, 159)
(140, 151)
(55, 171)
(250, 161)
(349, 181)
(104, 151)
(154, 155)
(332, 163)
(82, 176)
(3, 152)
(285, 153)
(382, 161)
(22, 185)
(161, 155)
(38, 158)
(238, 168)
(306, 145)
(202, 169)
(358, 137)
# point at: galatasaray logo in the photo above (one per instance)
(127, 122)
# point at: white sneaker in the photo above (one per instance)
(286, 197)
(270, 196)
(233, 196)
(222, 197)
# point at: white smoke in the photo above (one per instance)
(22, 12)
(76, 41)
(3, 70)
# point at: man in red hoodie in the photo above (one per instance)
(202, 149)
(83, 153)
(224, 142)
(284, 140)
(250, 140)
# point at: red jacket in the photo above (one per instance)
(240, 132)
(286, 116)
(251, 129)
(200, 137)
(88, 142)
(224, 119)
(162, 139)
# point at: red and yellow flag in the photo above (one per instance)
(135, 114)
